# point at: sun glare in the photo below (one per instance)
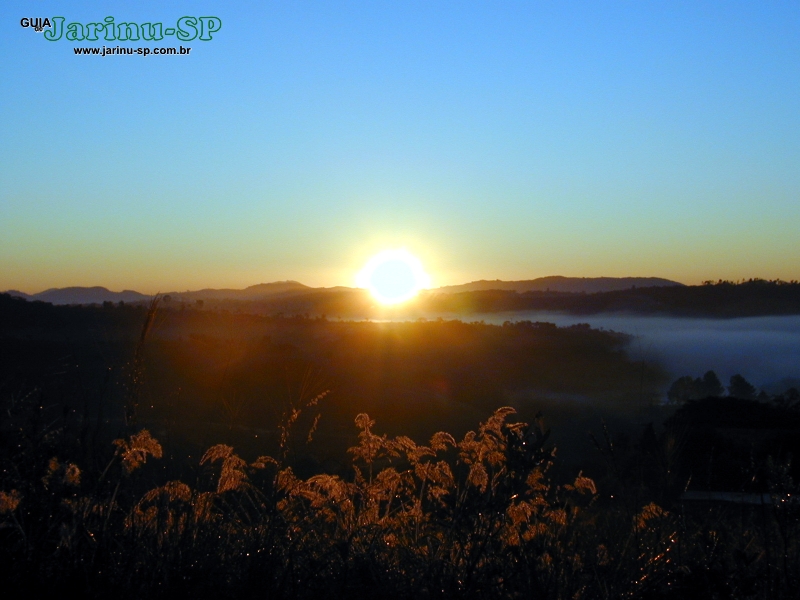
(393, 276)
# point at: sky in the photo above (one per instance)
(493, 140)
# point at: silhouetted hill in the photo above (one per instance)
(254, 292)
(264, 291)
(82, 295)
(557, 283)
(98, 295)
(18, 294)
(721, 300)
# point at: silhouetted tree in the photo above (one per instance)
(681, 390)
(710, 385)
(789, 399)
(741, 388)
(687, 388)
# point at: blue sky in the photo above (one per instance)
(505, 140)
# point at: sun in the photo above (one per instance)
(393, 276)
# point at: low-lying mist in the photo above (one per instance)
(765, 350)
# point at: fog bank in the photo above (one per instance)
(764, 350)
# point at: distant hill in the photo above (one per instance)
(557, 283)
(82, 295)
(254, 292)
(18, 294)
(98, 295)
(720, 300)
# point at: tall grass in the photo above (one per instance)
(476, 517)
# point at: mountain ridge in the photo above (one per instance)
(261, 291)
(559, 283)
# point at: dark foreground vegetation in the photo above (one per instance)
(207, 376)
(106, 491)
